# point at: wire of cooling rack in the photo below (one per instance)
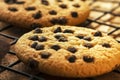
(85, 24)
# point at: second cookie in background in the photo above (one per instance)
(40, 13)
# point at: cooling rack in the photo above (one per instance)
(102, 17)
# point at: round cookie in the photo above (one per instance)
(40, 13)
(68, 51)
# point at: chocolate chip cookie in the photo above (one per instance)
(68, 51)
(40, 13)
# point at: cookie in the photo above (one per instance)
(68, 51)
(40, 13)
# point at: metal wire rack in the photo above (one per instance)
(87, 24)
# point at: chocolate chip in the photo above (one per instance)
(80, 36)
(45, 55)
(34, 37)
(88, 59)
(37, 30)
(35, 25)
(70, 0)
(12, 9)
(55, 47)
(20, 2)
(98, 33)
(33, 63)
(52, 12)
(58, 29)
(54, 20)
(42, 39)
(88, 45)
(87, 38)
(63, 6)
(39, 47)
(37, 15)
(60, 20)
(72, 49)
(83, 0)
(68, 31)
(76, 5)
(34, 45)
(107, 45)
(10, 1)
(45, 2)
(58, 36)
(59, 0)
(74, 14)
(72, 58)
(13, 1)
(6, 1)
(63, 39)
(30, 8)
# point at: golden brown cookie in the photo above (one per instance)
(40, 13)
(68, 51)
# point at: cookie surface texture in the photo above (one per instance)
(68, 51)
(40, 13)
